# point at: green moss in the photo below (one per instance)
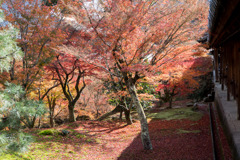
(80, 135)
(58, 138)
(50, 137)
(98, 141)
(179, 113)
(49, 132)
(181, 131)
(72, 130)
(44, 151)
(13, 156)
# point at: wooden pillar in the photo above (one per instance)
(223, 68)
(228, 71)
(216, 64)
(236, 66)
(237, 45)
(233, 83)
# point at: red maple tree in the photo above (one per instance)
(181, 76)
(71, 73)
(138, 38)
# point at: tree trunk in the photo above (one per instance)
(120, 116)
(71, 114)
(12, 71)
(51, 121)
(97, 113)
(128, 116)
(106, 115)
(39, 122)
(51, 115)
(143, 120)
(170, 103)
(32, 122)
(51, 105)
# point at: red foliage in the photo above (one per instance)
(39, 31)
(68, 64)
(182, 74)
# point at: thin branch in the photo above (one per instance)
(49, 89)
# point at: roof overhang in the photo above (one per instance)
(224, 21)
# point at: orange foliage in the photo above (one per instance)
(39, 28)
(182, 73)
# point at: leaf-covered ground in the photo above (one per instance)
(185, 137)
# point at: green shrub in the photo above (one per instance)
(49, 132)
(14, 141)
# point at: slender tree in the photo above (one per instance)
(71, 73)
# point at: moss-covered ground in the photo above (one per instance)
(178, 113)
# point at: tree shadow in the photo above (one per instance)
(175, 139)
(93, 126)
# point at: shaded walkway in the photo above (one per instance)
(228, 112)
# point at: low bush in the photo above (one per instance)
(49, 132)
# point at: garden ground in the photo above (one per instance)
(176, 134)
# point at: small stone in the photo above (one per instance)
(65, 132)
(195, 107)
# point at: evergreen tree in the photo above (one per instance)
(8, 46)
(16, 111)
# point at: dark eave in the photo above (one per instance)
(224, 21)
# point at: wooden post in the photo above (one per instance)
(228, 69)
(237, 45)
(216, 64)
(223, 68)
